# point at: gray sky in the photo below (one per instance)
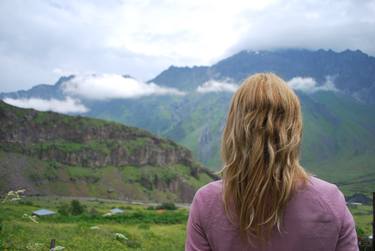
(41, 40)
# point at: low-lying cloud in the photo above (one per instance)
(69, 105)
(304, 84)
(309, 85)
(216, 86)
(112, 86)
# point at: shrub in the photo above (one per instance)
(167, 206)
(76, 207)
(360, 231)
(64, 209)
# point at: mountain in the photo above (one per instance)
(337, 92)
(40, 91)
(351, 70)
(53, 154)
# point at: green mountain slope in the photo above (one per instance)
(338, 137)
(49, 153)
(338, 142)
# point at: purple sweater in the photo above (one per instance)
(316, 218)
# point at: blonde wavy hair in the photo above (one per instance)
(260, 150)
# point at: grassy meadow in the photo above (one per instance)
(140, 227)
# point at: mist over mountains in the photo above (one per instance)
(189, 105)
(349, 70)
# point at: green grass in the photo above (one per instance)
(363, 217)
(144, 229)
(20, 235)
(131, 173)
(355, 174)
(78, 172)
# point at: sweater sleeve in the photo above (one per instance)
(347, 236)
(196, 239)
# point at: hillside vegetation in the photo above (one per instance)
(49, 153)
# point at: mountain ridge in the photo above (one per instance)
(345, 66)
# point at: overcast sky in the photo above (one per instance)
(42, 40)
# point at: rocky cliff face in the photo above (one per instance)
(91, 144)
(85, 142)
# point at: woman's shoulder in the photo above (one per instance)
(329, 198)
(323, 189)
(209, 191)
(206, 202)
(320, 183)
(328, 194)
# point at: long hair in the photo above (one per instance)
(260, 150)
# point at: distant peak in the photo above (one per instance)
(251, 52)
(63, 79)
(348, 51)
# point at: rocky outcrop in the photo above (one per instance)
(50, 153)
(85, 142)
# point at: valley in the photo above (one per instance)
(161, 148)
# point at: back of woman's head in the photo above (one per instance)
(260, 150)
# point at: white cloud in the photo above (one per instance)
(111, 86)
(189, 31)
(64, 72)
(143, 37)
(69, 105)
(304, 84)
(216, 86)
(309, 85)
(330, 24)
